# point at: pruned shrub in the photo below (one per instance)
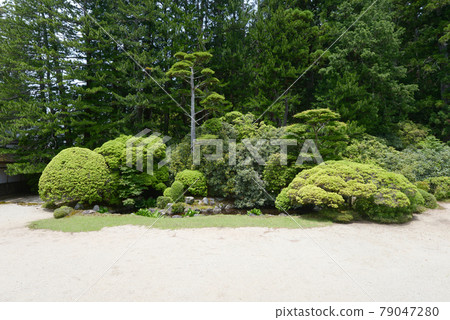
(195, 180)
(377, 194)
(129, 183)
(440, 187)
(162, 202)
(276, 175)
(429, 200)
(337, 216)
(75, 175)
(178, 208)
(62, 212)
(283, 203)
(175, 192)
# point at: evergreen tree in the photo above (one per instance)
(190, 68)
(364, 77)
(425, 43)
(284, 45)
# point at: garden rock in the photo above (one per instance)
(189, 200)
(217, 210)
(88, 212)
(205, 201)
(229, 207)
(96, 208)
(176, 217)
(78, 206)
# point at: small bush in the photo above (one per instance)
(103, 210)
(148, 213)
(336, 216)
(168, 192)
(195, 180)
(130, 183)
(62, 212)
(276, 175)
(190, 213)
(75, 175)
(440, 187)
(162, 202)
(142, 203)
(255, 211)
(178, 208)
(175, 192)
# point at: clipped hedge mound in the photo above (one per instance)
(195, 180)
(75, 175)
(129, 183)
(62, 212)
(440, 187)
(375, 193)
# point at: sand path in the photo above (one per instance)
(385, 263)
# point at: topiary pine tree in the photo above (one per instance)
(324, 127)
(190, 69)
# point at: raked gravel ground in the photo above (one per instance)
(356, 262)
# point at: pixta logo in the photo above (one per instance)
(145, 146)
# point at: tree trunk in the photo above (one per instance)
(192, 110)
(286, 111)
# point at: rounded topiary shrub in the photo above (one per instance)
(175, 192)
(375, 193)
(128, 182)
(195, 180)
(75, 175)
(62, 212)
(162, 202)
(429, 199)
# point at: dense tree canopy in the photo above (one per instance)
(79, 74)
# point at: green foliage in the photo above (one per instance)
(103, 210)
(440, 187)
(62, 212)
(379, 195)
(129, 183)
(276, 175)
(145, 203)
(75, 175)
(193, 179)
(337, 216)
(178, 208)
(363, 79)
(190, 213)
(162, 202)
(284, 43)
(248, 189)
(255, 211)
(415, 163)
(175, 192)
(283, 202)
(412, 134)
(322, 126)
(148, 213)
(429, 200)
